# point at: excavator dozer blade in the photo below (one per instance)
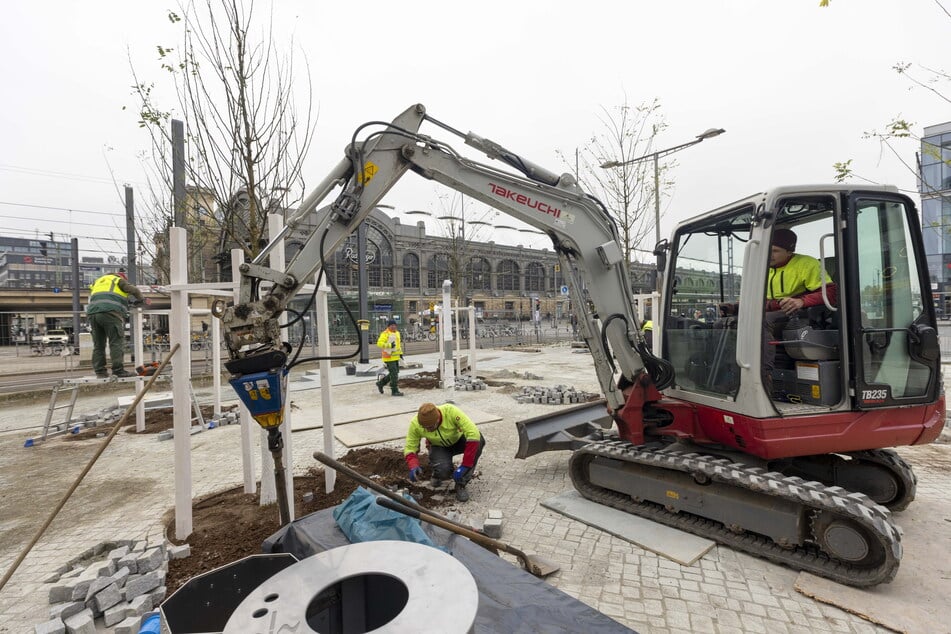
(567, 429)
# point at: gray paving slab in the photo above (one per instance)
(310, 379)
(372, 431)
(346, 414)
(671, 543)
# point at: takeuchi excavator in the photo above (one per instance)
(794, 465)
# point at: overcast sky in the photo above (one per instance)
(794, 85)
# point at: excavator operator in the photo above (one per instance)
(794, 282)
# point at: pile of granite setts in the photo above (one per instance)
(114, 584)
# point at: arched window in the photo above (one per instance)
(380, 268)
(478, 275)
(508, 276)
(379, 259)
(410, 270)
(534, 277)
(438, 271)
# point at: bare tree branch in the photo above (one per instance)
(627, 132)
(246, 140)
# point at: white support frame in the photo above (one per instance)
(139, 348)
(446, 357)
(178, 331)
(448, 372)
(326, 389)
(247, 423)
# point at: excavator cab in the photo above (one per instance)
(869, 343)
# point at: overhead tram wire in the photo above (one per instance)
(120, 213)
(32, 171)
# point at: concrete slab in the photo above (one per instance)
(917, 599)
(153, 400)
(678, 546)
(344, 415)
(375, 430)
(338, 376)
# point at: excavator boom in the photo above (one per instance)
(582, 231)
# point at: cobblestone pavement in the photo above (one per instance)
(128, 490)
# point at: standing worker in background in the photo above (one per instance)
(448, 432)
(647, 329)
(392, 345)
(107, 311)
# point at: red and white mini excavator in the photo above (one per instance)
(794, 465)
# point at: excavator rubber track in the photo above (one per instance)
(900, 470)
(814, 499)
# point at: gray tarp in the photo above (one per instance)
(510, 599)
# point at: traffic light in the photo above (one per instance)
(42, 248)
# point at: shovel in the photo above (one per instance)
(538, 566)
(370, 484)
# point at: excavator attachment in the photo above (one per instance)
(565, 430)
(263, 394)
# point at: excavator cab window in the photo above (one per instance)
(707, 271)
(805, 350)
(897, 357)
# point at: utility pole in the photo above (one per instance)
(57, 278)
(74, 250)
(130, 236)
(178, 172)
(363, 291)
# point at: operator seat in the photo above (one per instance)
(816, 337)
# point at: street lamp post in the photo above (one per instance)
(656, 156)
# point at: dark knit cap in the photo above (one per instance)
(784, 239)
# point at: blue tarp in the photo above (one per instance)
(363, 520)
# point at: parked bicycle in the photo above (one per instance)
(56, 349)
(419, 332)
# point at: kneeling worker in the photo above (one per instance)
(448, 432)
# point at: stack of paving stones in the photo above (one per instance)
(113, 584)
(109, 416)
(469, 384)
(558, 395)
(103, 417)
(508, 374)
(226, 418)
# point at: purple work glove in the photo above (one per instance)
(414, 473)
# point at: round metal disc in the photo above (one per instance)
(332, 586)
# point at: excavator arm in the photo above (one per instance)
(582, 232)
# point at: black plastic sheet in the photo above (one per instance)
(510, 599)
